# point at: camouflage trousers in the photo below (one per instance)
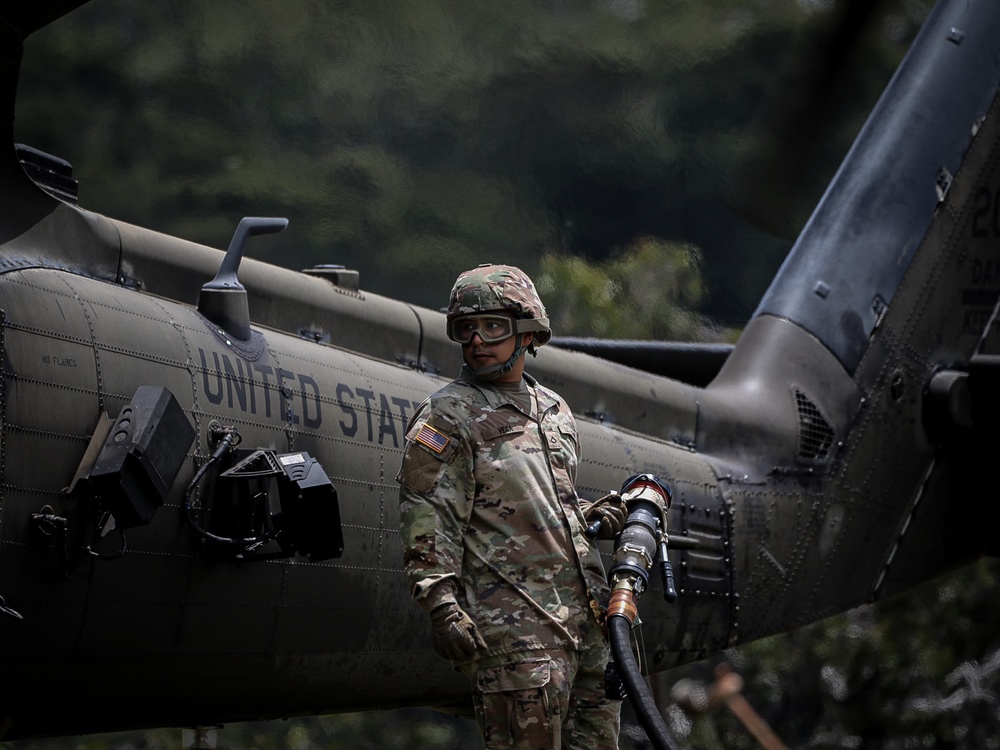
(545, 699)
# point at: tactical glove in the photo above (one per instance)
(456, 636)
(610, 510)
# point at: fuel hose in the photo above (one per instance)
(639, 695)
(641, 540)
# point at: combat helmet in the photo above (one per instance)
(499, 289)
(496, 288)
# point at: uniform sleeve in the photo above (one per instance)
(435, 498)
(575, 441)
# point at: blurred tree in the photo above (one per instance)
(919, 670)
(649, 290)
(412, 139)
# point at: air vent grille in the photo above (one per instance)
(815, 433)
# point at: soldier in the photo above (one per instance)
(494, 534)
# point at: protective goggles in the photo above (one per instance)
(491, 328)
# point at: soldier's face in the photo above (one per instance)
(478, 353)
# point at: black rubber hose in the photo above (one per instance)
(638, 691)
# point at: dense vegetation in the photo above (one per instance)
(410, 139)
(648, 162)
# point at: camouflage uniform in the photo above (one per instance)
(488, 502)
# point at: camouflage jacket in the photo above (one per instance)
(488, 501)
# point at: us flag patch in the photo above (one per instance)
(431, 438)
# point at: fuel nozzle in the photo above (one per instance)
(643, 538)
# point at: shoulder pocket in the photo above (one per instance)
(430, 443)
(435, 435)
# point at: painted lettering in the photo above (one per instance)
(285, 394)
(386, 425)
(344, 392)
(985, 272)
(58, 361)
(975, 320)
(235, 383)
(206, 373)
(307, 383)
(368, 396)
(248, 387)
(986, 213)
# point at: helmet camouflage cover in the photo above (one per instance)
(495, 288)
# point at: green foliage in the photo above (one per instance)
(919, 670)
(387, 730)
(412, 140)
(649, 291)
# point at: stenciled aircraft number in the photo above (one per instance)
(980, 295)
(986, 214)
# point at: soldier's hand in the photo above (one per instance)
(610, 510)
(456, 636)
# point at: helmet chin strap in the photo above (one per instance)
(492, 372)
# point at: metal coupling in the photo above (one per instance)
(623, 602)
